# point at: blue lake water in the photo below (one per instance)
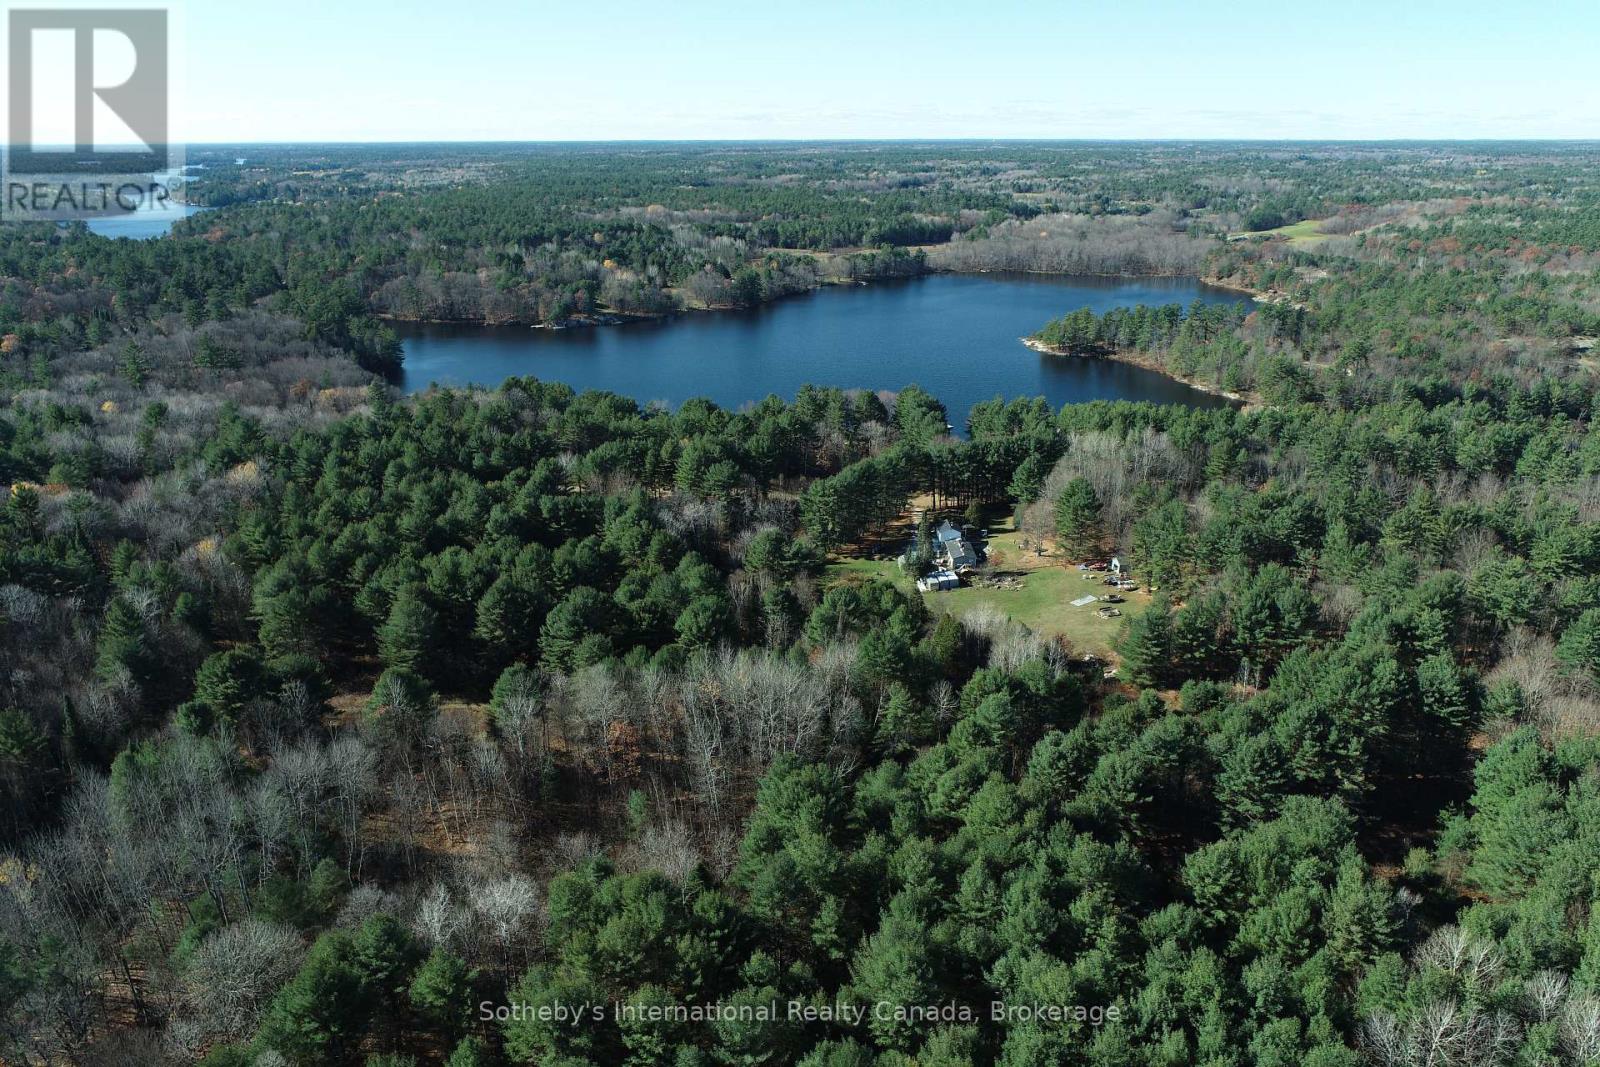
(955, 335)
(142, 225)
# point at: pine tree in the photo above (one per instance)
(134, 366)
(703, 622)
(1250, 782)
(1077, 514)
(227, 680)
(1028, 480)
(922, 553)
(1579, 649)
(407, 638)
(385, 955)
(441, 991)
(471, 1052)
(944, 645)
(904, 721)
(503, 619)
(122, 645)
(1446, 695)
(319, 1016)
(402, 707)
(897, 965)
(1197, 642)
(1359, 921)
(1146, 645)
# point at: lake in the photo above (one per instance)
(142, 225)
(955, 335)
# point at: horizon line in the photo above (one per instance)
(974, 139)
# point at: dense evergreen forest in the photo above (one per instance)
(521, 726)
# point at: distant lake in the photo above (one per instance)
(955, 335)
(143, 225)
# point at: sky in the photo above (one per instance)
(388, 70)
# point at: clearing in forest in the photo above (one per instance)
(1302, 233)
(1040, 598)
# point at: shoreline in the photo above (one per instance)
(608, 318)
(1253, 294)
(1247, 402)
(622, 318)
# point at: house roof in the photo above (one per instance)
(961, 554)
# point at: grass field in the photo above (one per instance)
(1043, 604)
(1301, 233)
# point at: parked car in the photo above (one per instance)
(1108, 613)
(1112, 598)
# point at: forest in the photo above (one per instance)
(527, 726)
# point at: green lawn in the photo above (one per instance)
(868, 568)
(1043, 604)
(1304, 232)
